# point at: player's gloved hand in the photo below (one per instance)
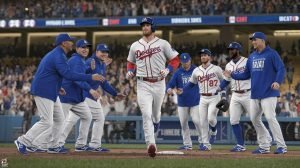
(94, 93)
(62, 91)
(130, 74)
(223, 105)
(179, 91)
(164, 73)
(275, 86)
(227, 74)
(93, 64)
(170, 91)
(107, 61)
(120, 96)
(98, 77)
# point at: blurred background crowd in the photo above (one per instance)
(102, 8)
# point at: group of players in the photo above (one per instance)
(66, 91)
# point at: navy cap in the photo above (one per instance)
(185, 57)
(102, 47)
(235, 45)
(205, 51)
(259, 35)
(82, 43)
(63, 37)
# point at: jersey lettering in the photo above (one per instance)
(258, 64)
(206, 77)
(147, 53)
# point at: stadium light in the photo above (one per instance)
(279, 33)
(203, 31)
(10, 34)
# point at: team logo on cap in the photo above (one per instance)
(144, 20)
(184, 57)
(105, 46)
(85, 42)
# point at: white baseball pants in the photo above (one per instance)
(238, 103)
(184, 114)
(98, 124)
(50, 125)
(150, 98)
(72, 113)
(266, 106)
(208, 115)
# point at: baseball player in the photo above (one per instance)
(208, 77)
(147, 59)
(45, 88)
(73, 103)
(100, 58)
(267, 71)
(240, 99)
(186, 106)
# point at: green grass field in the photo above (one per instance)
(16, 160)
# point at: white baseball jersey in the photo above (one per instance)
(237, 85)
(208, 78)
(150, 57)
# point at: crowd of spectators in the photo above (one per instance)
(104, 8)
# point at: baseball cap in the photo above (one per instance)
(82, 43)
(259, 35)
(63, 37)
(205, 51)
(102, 47)
(185, 57)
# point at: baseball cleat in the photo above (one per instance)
(21, 147)
(238, 148)
(83, 149)
(280, 150)
(34, 149)
(204, 147)
(156, 127)
(213, 136)
(58, 150)
(261, 151)
(100, 149)
(152, 150)
(185, 147)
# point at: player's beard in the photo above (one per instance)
(234, 55)
(204, 61)
(147, 33)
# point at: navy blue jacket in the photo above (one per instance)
(50, 73)
(100, 69)
(190, 96)
(74, 89)
(264, 68)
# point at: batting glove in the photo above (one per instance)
(129, 75)
(164, 73)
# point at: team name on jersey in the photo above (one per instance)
(240, 69)
(258, 64)
(147, 53)
(185, 79)
(206, 77)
